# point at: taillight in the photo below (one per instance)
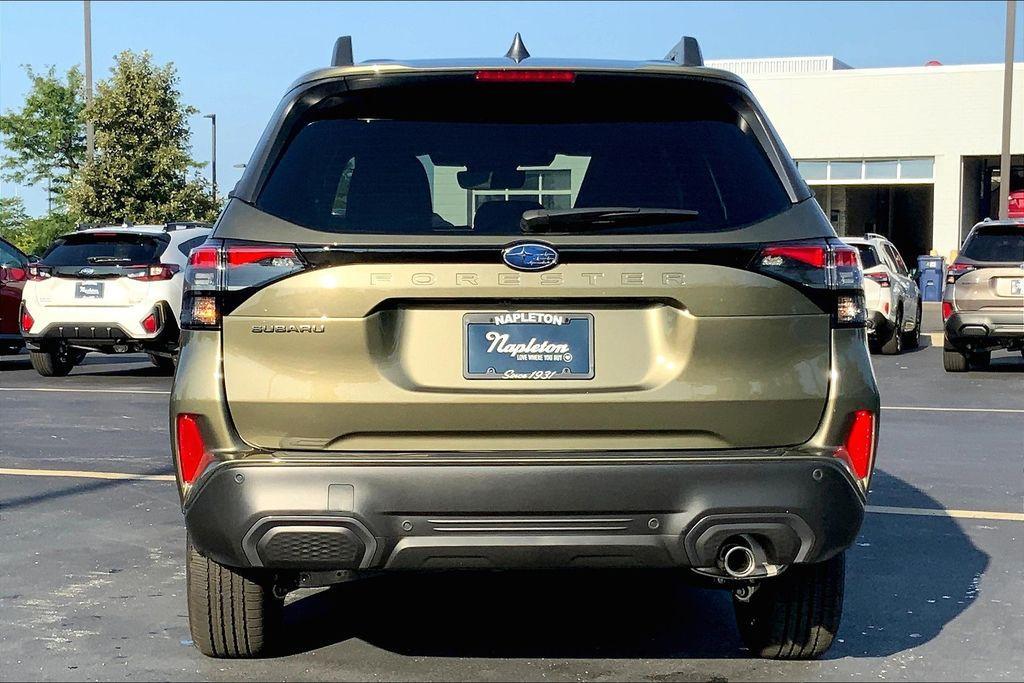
(193, 457)
(27, 321)
(152, 273)
(37, 273)
(881, 278)
(858, 450)
(13, 274)
(215, 271)
(955, 270)
(526, 76)
(947, 310)
(827, 266)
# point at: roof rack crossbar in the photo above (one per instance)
(342, 52)
(686, 52)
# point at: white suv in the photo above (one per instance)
(108, 289)
(891, 294)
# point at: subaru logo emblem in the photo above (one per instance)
(530, 256)
(87, 271)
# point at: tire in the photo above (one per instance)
(53, 361)
(795, 615)
(229, 615)
(954, 361)
(894, 344)
(980, 360)
(912, 340)
(164, 364)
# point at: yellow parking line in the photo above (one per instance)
(877, 509)
(958, 514)
(86, 391)
(85, 474)
(955, 410)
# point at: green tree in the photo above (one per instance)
(143, 170)
(45, 139)
(12, 220)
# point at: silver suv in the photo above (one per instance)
(891, 294)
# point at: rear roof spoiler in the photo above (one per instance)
(686, 52)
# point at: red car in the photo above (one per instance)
(13, 265)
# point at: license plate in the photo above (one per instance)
(528, 345)
(1016, 287)
(88, 290)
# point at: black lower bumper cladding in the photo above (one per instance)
(558, 514)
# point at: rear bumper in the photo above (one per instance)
(101, 334)
(562, 511)
(985, 328)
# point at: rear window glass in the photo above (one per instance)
(379, 172)
(996, 244)
(868, 256)
(99, 249)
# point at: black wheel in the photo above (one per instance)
(954, 361)
(981, 360)
(911, 340)
(894, 344)
(163, 363)
(795, 615)
(54, 360)
(229, 615)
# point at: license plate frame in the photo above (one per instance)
(542, 333)
(89, 290)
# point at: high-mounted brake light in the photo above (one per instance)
(193, 456)
(526, 76)
(858, 450)
(955, 270)
(881, 278)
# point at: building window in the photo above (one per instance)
(551, 188)
(866, 171)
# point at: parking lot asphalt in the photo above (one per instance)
(92, 574)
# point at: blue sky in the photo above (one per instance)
(236, 59)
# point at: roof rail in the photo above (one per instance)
(90, 226)
(185, 225)
(874, 236)
(342, 52)
(686, 52)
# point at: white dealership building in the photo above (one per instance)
(909, 152)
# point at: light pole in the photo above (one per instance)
(1004, 160)
(213, 152)
(87, 21)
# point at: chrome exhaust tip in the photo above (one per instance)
(741, 557)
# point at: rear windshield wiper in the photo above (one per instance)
(596, 219)
(108, 259)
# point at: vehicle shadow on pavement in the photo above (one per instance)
(907, 578)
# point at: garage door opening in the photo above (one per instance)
(902, 213)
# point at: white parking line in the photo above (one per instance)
(876, 509)
(87, 391)
(955, 410)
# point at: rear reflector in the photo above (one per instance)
(526, 76)
(26, 320)
(151, 323)
(192, 455)
(859, 449)
(947, 310)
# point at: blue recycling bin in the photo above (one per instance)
(931, 277)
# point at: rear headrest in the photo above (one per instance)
(500, 216)
(390, 193)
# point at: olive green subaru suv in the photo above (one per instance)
(514, 313)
